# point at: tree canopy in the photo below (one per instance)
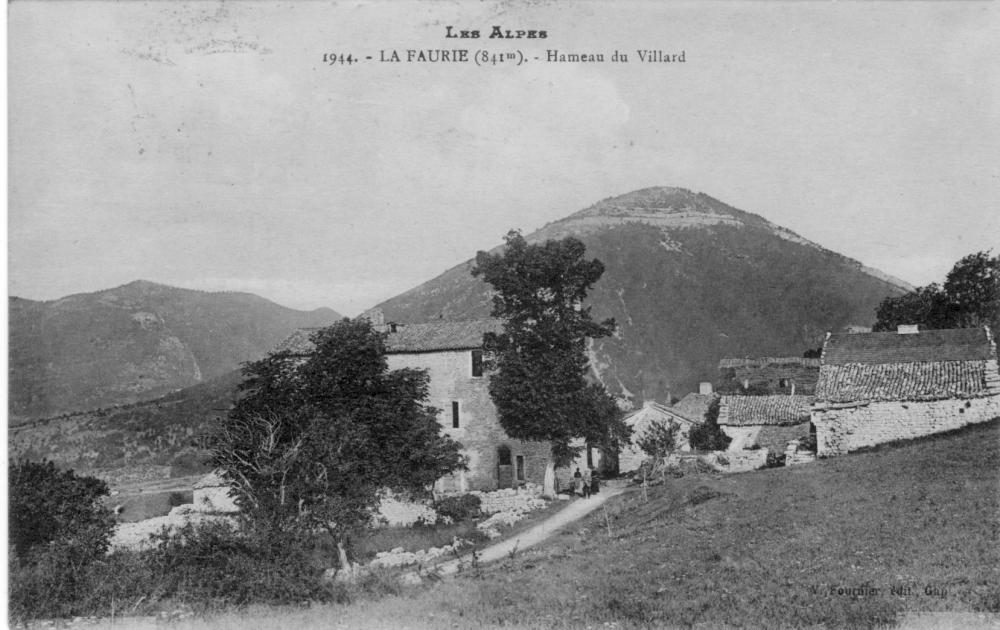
(48, 505)
(312, 441)
(540, 387)
(969, 297)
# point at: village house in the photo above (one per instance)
(641, 420)
(764, 421)
(885, 386)
(452, 354)
(770, 375)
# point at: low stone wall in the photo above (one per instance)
(741, 461)
(841, 429)
(510, 500)
(794, 456)
(720, 461)
(401, 512)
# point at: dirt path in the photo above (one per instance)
(577, 509)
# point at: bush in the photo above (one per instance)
(51, 506)
(659, 439)
(215, 563)
(459, 507)
(707, 436)
(775, 460)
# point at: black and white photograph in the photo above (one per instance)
(503, 314)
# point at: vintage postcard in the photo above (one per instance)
(509, 313)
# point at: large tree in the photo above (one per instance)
(540, 384)
(311, 442)
(969, 297)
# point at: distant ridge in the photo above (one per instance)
(135, 342)
(690, 280)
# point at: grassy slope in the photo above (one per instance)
(765, 552)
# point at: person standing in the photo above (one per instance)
(578, 483)
(595, 482)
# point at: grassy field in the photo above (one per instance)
(863, 540)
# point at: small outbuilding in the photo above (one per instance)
(640, 421)
(885, 386)
(764, 421)
(212, 494)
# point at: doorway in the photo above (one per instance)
(505, 471)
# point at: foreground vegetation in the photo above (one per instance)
(857, 541)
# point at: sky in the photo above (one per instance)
(207, 145)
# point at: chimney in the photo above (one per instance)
(704, 388)
(907, 329)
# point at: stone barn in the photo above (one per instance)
(764, 421)
(771, 375)
(640, 420)
(885, 386)
(452, 354)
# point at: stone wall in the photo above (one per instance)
(510, 500)
(794, 456)
(214, 499)
(742, 437)
(741, 461)
(844, 428)
(479, 431)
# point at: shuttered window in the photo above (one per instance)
(477, 362)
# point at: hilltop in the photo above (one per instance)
(135, 342)
(689, 280)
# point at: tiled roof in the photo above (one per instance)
(441, 335)
(960, 344)
(694, 406)
(937, 380)
(653, 412)
(744, 411)
(928, 365)
(431, 337)
(760, 362)
(776, 438)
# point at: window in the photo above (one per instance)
(520, 467)
(477, 362)
(454, 414)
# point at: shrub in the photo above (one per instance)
(701, 494)
(775, 460)
(707, 436)
(215, 563)
(52, 506)
(459, 507)
(659, 439)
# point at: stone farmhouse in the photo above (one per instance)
(452, 354)
(774, 375)
(885, 386)
(764, 421)
(631, 457)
